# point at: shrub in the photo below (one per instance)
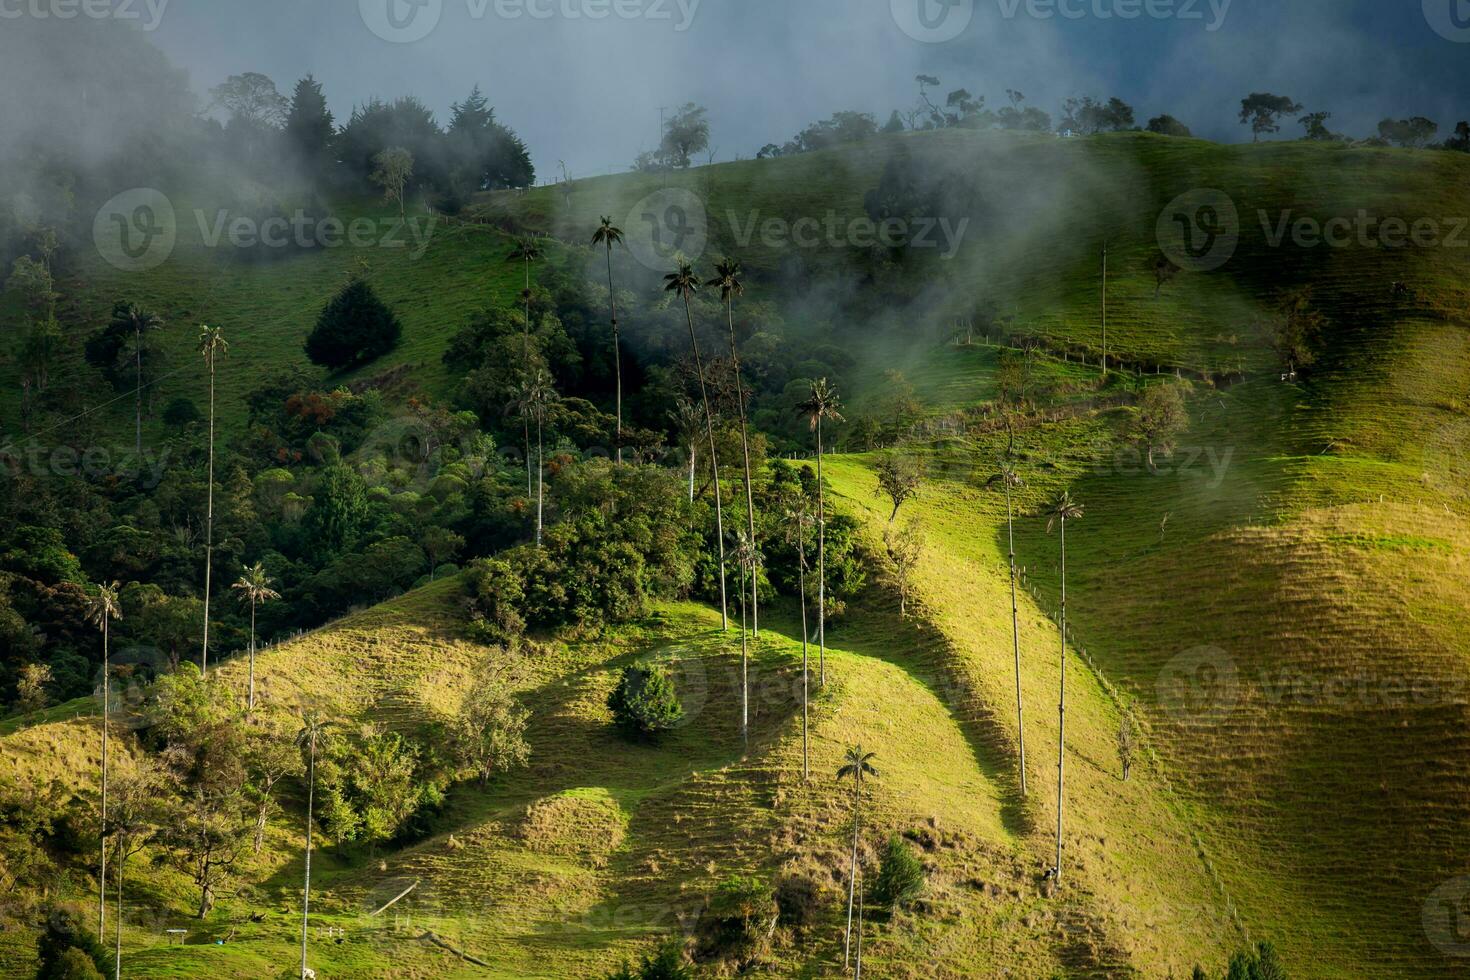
(67, 948)
(354, 328)
(797, 900)
(900, 875)
(735, 924)
(644, 702)
(496, 592)
(666, 963)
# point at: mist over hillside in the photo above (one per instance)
(700, 490)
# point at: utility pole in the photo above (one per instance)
(1105, 310)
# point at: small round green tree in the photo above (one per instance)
(354, 328)
(644, 703)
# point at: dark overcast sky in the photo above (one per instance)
(588, 91)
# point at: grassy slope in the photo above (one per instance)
(1325, 563)
(603, 843)
(1330, 550)
(267, 308)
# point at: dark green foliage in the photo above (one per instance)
(496, 594)
(338, 511)
(180, 412)
(309, 128)
(354, 328)
(625, 537)
(735, 924)
(665, 963)
(485, 155)
(372, 784)
(644, 702)
(1262, 963)
(900, 875)
(65, 937)
(1413, 133)
(1167, 125)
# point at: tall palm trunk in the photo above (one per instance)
(691, 472)
(138, 394)
(1016, 639)
(526, 431)
(714, 461)
(1062, 701)
(755, 617)
(306, 890)
(857, 812)
(806, 764)
(250, 699)
(612, 301)
(117, 955)
(744, 670)
(858, 973)
(540, 478)
(102, 834)
(821, 566)
(208, 529)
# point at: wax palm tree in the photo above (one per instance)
(540, 397)
(857, 767)
(213, 346)
(139, 321)
(526, 251)
(688, 421)
(133, 827)
(1008, 478)
(727, 277)
(1066, 509)
(102, 609)
(607, 235)
(254, 587)
(684, 282)
(822, 405)
(798, 523)
(520, 405)
(309, 737)
(749, 560)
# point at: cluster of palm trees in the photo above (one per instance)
(1063, 510)
(532, 400)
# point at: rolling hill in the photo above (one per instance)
(1281, 606)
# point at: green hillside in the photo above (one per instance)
(1281, 606)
